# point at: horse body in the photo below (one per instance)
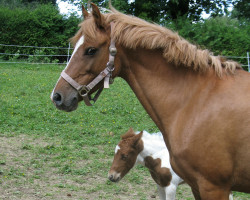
(153, 154)
(199, 102)
(199, 117)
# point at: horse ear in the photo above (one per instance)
(85, 13)
(97, 15)
(137, 138)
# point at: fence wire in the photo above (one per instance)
(68, 55)
(12, 45)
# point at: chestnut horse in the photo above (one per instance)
(200, 102)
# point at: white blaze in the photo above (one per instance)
(116, 149)
(78, 44)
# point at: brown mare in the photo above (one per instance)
(200, 102)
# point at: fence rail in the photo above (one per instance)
(68, 55)
(12, 45)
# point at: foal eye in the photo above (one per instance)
(124, 157)
(90, 51)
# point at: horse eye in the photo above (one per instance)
(90, 51)
(124, 157)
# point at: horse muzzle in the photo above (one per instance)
(114, 177)
(68, 104)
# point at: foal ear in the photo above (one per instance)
(85, 13)
(131, 130)
(97, 16)
(137, 138)
(128, 134)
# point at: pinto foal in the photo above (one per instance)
(150, 151)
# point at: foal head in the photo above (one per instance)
(89, 58)
(126, 153)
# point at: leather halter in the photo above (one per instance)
(106, 74)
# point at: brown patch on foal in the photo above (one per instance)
(161, 175)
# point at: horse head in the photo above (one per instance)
(86, 73)
(126, 153)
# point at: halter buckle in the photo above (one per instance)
(83, 91)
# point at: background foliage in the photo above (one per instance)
(35, 25)
(39, 23)
(160, 10)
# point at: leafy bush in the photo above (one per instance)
(43, 25)
(40, 26)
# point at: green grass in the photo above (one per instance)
(51, 154)
(27, 108)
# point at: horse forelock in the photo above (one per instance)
(86, 28)
(133, 32)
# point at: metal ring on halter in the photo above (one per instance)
(84, 90)
(112, 51)
(110, 66)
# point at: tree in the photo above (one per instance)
(16, 3)
(53, 2)
(42, 26)
(159, 10)
(241, 9)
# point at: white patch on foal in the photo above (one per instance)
(78, 44)
(116, 149)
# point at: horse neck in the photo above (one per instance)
(162, 88)
(152, 144)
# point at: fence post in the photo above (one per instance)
(68, 54)
(248, 62)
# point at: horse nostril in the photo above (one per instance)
(111, 178)
(57, 98)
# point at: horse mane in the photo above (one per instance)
(133, 32)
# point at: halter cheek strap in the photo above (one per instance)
(106, 74)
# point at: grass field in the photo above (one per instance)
(49, 154)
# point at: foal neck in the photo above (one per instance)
(152, 144)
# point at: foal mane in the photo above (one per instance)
(133, 32)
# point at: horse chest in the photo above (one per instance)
(161, 175)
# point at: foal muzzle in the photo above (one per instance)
(114, 177)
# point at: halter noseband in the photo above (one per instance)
(106, 74)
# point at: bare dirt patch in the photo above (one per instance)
(21, 179)
(28, 174)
